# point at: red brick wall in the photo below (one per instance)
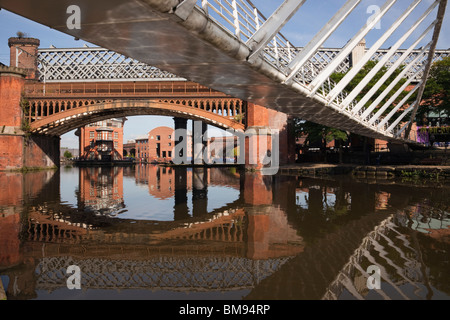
(11, 87)
(166, 144)
(11, 152)
(11, 146)
(258, 116)
(27, 59)
(41, 152)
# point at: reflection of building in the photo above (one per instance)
(160, 180)
(382, 200)
(223, 148)
(101, 189)
(102, 140)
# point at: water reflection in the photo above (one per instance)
(152, 232)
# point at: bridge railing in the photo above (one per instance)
(124, 89)
(240, 18)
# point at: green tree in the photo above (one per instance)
(316, 132)
(436, 96)
(336, 77)
(68, 154)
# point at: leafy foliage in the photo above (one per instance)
(319, 133)
(316, 132)
(436, 96)
(68, 154)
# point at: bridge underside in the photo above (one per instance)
(196, 49)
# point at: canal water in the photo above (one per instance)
(150, 232)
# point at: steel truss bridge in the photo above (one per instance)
(231, 47)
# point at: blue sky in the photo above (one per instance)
(299, 30)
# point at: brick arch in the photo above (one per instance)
(65, 121)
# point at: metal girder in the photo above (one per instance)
(398, 107)
(392, 99)
(392, 85)
(390, 71)
(272, 26)
(437, 30)
(322, 77)
(354, 71)
(310, 49)
(352, 95)
(184, 9)
(400, 118)
(95, 64)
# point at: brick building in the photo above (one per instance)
(142, 149)
(159, 145)
(102, 140)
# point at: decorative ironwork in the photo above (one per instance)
(95, 64)
(380, 246)
(163, 273)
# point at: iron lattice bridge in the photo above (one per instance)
(102, 65)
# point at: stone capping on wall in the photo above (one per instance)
(23, 41)
(4, 70)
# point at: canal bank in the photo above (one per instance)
(2, 291)
(379, 172)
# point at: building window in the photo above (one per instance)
(99, 136)
(116, 135)
(109, 135)
(170, 137)
(158, 138)
(116, 144)
(170, 144)
(91, 135)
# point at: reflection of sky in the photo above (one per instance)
(69, 185)
(303, 196)
(430, 224)
(140, 204)
(219, 196)
(302, 199)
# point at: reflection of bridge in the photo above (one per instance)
(190, 274)
(264, 242)
(242, 53)
(220, 251)
(405, 269)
